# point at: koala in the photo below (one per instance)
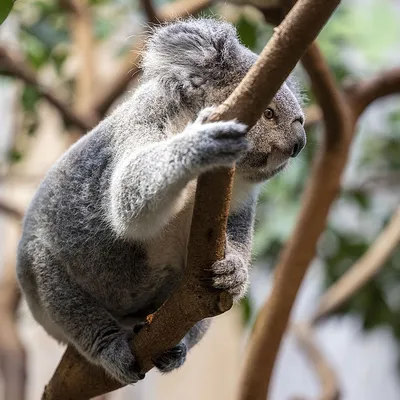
(104, 240)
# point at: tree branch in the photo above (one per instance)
(10, 211)
(333, 105)
(150, 11)
(167, 13)
(327, 377)
(361, 94)
(362, 271)
(75, 378)
(81, 27)
(13, 64)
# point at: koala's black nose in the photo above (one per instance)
(300, 138)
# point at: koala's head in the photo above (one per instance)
(278, 136)
(199, 62)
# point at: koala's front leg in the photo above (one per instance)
(146, 186)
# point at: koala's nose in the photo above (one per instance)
(300, 138)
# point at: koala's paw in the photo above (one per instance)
(172, 358)
(117, 359)
(231, 275)
(219, 143)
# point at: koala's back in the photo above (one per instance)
(66, 228)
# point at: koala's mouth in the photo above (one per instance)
(260, 166)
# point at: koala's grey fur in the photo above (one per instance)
(105, 238)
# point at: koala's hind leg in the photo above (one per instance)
(87, 325)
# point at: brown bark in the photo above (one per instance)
(10, 211)
(360, 95)
(150, 11)
(327, 377)
(362, 271)
(75, 378)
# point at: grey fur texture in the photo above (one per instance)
(105, 238)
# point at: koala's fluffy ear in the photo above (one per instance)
(296, 88)
(195, 50)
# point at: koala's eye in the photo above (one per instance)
(269, 113)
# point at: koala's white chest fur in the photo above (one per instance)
(168, 248)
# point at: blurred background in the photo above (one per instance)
(65, 64)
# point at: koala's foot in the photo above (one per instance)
(230, 274)
(117, 359)
(172, 358)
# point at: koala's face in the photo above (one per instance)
(277, 136)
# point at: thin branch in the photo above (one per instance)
(360, 95)
(327, 377)
(14, 64)
(332, 102)
(362, 271)
(81, 27)
(75, 378)
(71, 6)
(167, 13)
(150, 11)
(10, 211)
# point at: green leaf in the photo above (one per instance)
(5, 8)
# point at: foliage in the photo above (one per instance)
(5, 8)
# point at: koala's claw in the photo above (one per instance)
(172, 358)
(204, 114)
(231, 275)
(220, 143)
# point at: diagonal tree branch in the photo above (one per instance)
(332, 102)
(327, 377)
(75, 378)
(360, 95)
(362, 271)
(13, 63)
(150, 11)
(10, 211)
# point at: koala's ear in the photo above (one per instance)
(297, 89)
